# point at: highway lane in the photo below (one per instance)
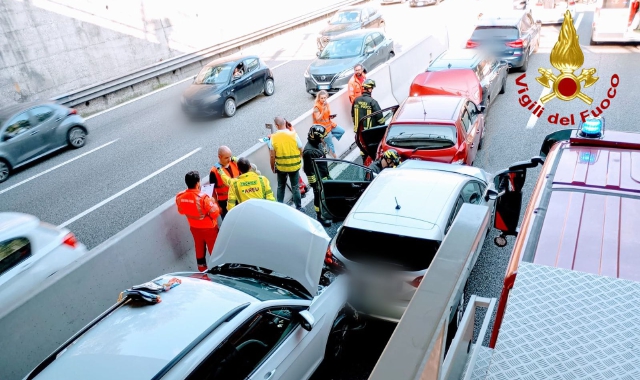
(509, 140)
(149, 145)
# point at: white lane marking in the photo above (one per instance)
(116, 195)
(533, 119)
(139, 97)
(56, 167)
(282, 64)
(334, 173)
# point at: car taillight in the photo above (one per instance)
(73, 111)
(70, 240)
(472, 44)
(416, 282)
(516, 44)
(331, 260)
(571, 2)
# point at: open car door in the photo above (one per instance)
(370, 131)
(341, 184)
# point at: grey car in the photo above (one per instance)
(333, 68)
(29, 131)
(348, 19)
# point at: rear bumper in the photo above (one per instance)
(513, 60)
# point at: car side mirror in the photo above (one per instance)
(491, 195)
(368, 50)
(306, 320)
(318, 54)
(482, 108)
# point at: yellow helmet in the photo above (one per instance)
(393, 156)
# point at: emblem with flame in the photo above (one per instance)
(567, 57)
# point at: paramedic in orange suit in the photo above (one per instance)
(202, 214)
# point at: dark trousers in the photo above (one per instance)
(223, 208)
(294, 178)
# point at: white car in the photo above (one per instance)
(238, 320)
(551, 11)
(30, 252)
(393, 226)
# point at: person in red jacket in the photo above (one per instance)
(202, 214)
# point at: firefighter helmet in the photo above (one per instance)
(393, 156)
(316, 133)
(369, 84)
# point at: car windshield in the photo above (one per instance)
(214, 74)
(260, 283)
(345, 17)
(495, 33)
(347, 48)
(422, 136)
(364, 246)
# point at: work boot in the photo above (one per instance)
(324, 222)
(202, 268)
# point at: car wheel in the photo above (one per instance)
(525, 65)
(504, 85)
(459, 311)
(269, 87)
(391, 55)
(5, 170)
(337, 339)
(76, 137)
(229, 107)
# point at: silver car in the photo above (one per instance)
(31, 252)
(238, 320)
(32, 130)
(393, 226)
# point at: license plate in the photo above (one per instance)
(325, 87)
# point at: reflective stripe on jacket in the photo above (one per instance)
(249, 186)
(287, 152)
(324, 119)
(222, 190)
(365, 105)
(201, 211)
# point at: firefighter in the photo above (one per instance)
(202, 214)
(389, 159)
(248, 185)
(366, 105)
(355, 83)
(229, 165)
(314, 149)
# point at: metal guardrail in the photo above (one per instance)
(112, 85)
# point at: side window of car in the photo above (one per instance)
(17, 126)
(377, 39)
(364, 15)
(249, 346)
(486, 67)
(471, 193)
(480, 71)
(466, 121)
(526, 24)
(41, 113)
(473, 111)
(368, 42)
(347, 172)
(12, 252)
(454, 213)
(251, 64)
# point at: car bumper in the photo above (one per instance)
(388, 311)
(313, 87)
(206, 110)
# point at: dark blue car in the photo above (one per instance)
(224, 84)
(511, 36)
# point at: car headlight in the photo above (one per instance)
(458, 162)
(306, 73)
(212, 98)
(346, 73)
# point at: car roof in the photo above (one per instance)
(591, 219)
(355, 34)
(234, 58)
(8, 111)
(137, 340)
(503, 18)
(13, 223)
(428, 108)
(457, 59)
(423, 195)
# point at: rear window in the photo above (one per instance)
(498, 33)
(403, 252)
(423, 136)
(12, 252)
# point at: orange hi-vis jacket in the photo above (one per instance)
(222, 188)
(324, 118)
(355, 87)
(199, 208)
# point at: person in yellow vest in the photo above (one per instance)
(285, 148)
(248, 185)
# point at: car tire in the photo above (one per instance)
(230, 107)
(76, 137)
(269, 87)
(504, 86)
(5, 170)
(391, 55)
(336, 340)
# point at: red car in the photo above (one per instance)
(441, 128)
(460, 82)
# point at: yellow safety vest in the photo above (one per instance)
(248, 186)
(287, 152)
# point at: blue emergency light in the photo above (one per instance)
(592, 127)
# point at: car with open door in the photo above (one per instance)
(267, 309)
(393, 226)
(441, 128)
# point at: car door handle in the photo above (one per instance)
(34, 133)
(269, 375)
(356, 185)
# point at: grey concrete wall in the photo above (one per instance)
(49, 47)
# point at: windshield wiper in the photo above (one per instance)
(286, 283)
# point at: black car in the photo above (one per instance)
(333, 68)
(348, 19)
(509, 35)
(491, 72)
(224, 84)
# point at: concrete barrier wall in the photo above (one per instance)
(158, 243)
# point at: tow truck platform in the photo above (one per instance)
(563, 325)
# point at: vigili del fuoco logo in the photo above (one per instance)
(566, 57)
